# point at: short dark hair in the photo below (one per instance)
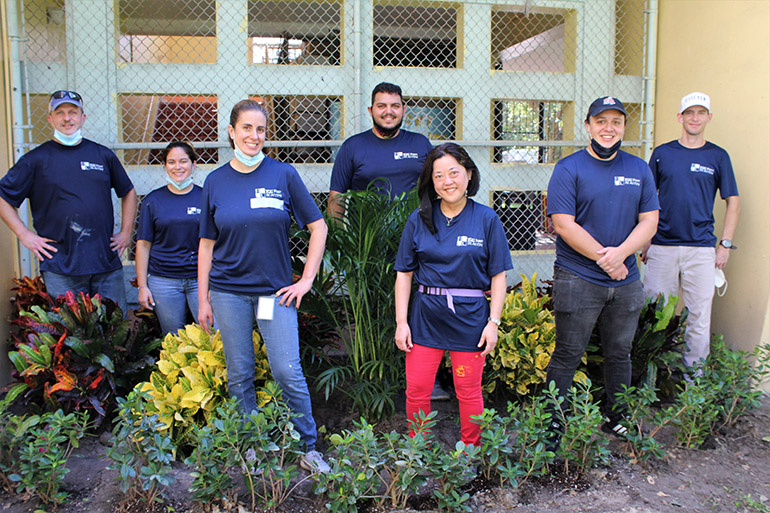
(187, 147)
(425, 189)
(239, 108)
(387, 88)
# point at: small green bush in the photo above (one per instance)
(142, 453)
(34, 450)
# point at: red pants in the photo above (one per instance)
(421, 367)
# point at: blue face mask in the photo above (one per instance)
(180, 186)
(67, 140)
(246, 160)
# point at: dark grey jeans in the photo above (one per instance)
(578, 306)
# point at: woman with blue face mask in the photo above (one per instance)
(167, 241)
(244, 267)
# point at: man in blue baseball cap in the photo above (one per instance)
(603, 205)
(68, 181)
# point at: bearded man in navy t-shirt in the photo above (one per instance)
(688, 172)
(386, 156)
(68, 181)
(603, 205)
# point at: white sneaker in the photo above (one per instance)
(313, 462)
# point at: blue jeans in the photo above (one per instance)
(578, 305)
(236, 315)
(172, 297)
(109, 285)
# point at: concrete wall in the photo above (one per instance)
(722, 48)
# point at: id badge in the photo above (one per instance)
(265, 307)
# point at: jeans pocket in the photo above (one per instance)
(566, 290)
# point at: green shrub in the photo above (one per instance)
(191, 380)
(142, 453)
(264, 445)
(34, 450)
(527, 338)
(580, 446)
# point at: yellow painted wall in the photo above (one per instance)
(7, 240)
(722, 48)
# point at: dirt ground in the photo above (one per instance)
(731, 475)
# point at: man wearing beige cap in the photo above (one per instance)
(688, 172)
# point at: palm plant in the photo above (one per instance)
(354, 293)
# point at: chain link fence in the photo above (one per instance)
(509, 80)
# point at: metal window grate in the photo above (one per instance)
(408, 34)
(303, 33)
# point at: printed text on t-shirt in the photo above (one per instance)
(267, 198)
(464, 240)
(398, 155)
(625, 180)
(90, 166)
(700, 168)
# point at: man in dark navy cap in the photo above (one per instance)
(68, 181)
(603, 205)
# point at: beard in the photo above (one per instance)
(387, 133)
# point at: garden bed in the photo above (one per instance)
(731, 473)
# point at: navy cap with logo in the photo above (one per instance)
(599, 105)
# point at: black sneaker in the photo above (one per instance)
(553, 439)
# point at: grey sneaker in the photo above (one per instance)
(248, 467)
(439, 394)
(313, 462)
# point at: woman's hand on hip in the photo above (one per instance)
(294, 291)
(404, 337)
(488, 338)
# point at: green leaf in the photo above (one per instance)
(104, 360)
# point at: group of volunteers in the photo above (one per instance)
(221, 252)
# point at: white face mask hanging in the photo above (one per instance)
(720, 281)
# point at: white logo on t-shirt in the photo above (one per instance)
(267, 198)
(399, 155)
(191, 211)
(464, 240)
(700, 168)
(624, 180)
(90, 166)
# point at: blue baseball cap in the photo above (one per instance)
(62, 96)
(599, 105)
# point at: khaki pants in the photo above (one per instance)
(691, 269)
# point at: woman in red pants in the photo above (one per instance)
(455, 249)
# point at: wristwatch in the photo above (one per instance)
(727, 244)
(496, 321)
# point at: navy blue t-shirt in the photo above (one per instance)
(365, 158)
(687, 180)
(171, 223)
(249, 215)
(606, 198)
(69, 191)
(464, 255)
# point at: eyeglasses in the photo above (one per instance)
(72, 95)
